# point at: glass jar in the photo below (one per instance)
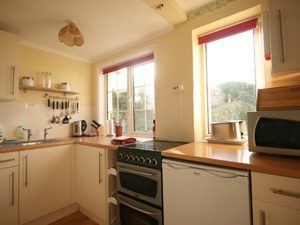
(45, 79)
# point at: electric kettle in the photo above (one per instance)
(78, 128)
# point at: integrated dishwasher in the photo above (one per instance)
(197, 194)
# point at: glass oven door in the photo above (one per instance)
(140, 182)
(132, 212)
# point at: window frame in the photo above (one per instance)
(258, 59)
(130, 99)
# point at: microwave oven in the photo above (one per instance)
(274, 132)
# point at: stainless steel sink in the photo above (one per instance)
(30, 143)
(36, 142)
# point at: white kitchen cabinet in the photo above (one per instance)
(9, 188)
(276, 200)
(9, 60)
(45, 181)
(90, 175)
(284, 23)
(196, 194)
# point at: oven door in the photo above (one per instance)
(132, 212)
(140, 182)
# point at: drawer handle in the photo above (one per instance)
(13, 189)
(100, 179)
(285, 193)
(263, 217)
(6, 160)
(26, 170)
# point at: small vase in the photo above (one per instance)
(118, 131)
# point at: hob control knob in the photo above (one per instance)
(154, 162)
(120, 156)
(148, 161)
(126, 157)
(136, 159)
(131, 157)
(142, 159)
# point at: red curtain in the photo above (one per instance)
(132, 62)
(236, 29)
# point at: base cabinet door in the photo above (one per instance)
(90, 180)
(45, 181)
(9, 196)
(276, 199)
(270, 214)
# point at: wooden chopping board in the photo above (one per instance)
(278, 98)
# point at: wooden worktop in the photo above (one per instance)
(236, 156)
(100, 141)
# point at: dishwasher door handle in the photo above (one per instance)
(215, 173)
(212, 172)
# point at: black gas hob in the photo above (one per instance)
(147, 154)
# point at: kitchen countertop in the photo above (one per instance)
(100, 141)
(236, 156)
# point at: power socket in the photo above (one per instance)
(177, 88)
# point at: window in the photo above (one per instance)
(230, 74)
(130, 95)
(143, 89)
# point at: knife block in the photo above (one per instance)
(101, 131)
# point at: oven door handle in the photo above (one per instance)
(138, 172)
(137, 209)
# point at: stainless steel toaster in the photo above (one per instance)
(232, 130)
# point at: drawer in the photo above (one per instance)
(9, 159)
(274, 214)
(279, 190)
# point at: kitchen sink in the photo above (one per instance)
(36, 142)
(30, 143)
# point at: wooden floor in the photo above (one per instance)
(76, 218)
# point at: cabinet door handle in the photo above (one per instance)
(13, 72)
(26, 171)
(6, 160)
(177, 167)
(281, 36)
(285, 193)
(100, 179)
(13, 189)
(262, 217)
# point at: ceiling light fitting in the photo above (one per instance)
(160, 6)
(71, 35)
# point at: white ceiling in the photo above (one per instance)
(108, 26)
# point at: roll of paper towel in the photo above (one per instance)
(110, 128)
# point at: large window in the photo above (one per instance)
(130, 96)
(230, 76)
(143, 109)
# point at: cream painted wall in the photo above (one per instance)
(174, 64)
(32, 62)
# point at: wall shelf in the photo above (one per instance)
(55, 90)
